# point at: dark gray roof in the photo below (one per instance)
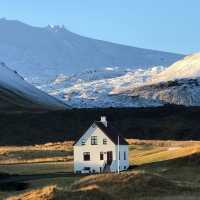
(111, 132)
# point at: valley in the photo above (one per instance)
(55, 83)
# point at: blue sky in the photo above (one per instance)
(169, 25)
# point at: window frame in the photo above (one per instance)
(83, 141)
(101, 156)
(105, 141)
(86, 156)
(94, 140)
(125, 155)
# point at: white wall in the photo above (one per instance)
(123, 163)
(95, 163)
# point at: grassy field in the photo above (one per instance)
(50, 152)
(166, 170)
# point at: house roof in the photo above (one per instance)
(111, 132)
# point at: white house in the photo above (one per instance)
(100, 149)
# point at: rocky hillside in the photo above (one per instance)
(178, 84)
(180, 92)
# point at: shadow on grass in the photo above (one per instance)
(13, 186)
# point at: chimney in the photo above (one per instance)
(104, 121)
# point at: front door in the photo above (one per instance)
(109, 157)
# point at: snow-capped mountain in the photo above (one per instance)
(85, 72)
(43, 53)
(177, 84)
(188, 67)
(17, 94)
(114, 87)
(96, 88)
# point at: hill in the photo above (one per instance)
(177, 84)
(17, 95)
(188, 67)
(168, 122)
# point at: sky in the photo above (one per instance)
(168, 25)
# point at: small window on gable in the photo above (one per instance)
(93, 140)
(105, 141)
(83, 142)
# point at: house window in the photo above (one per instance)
(86, 156)
(101, 155)
(93, 140)
(83, 142)
(104, 141)
(124, 155)
(119, 155)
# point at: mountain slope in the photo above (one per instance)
(188, 67)
(18, 95)
(177, 84)
(96, 88)
(112, 87)
(50, 51)
(180, 92)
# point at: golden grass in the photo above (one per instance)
(148, 151)
(46, 193)
(162, 173)
(50, 152)
(128, 185)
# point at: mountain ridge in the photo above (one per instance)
(51, 51)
